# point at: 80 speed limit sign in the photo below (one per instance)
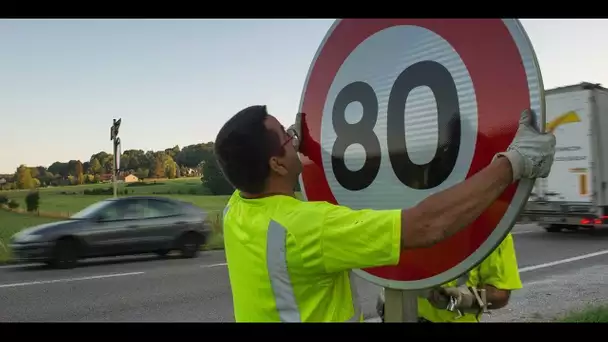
(399, 109)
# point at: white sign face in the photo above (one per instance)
(420, 117)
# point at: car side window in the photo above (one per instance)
(157, 208)
(124, 210)
(133, 210)
(111, 213)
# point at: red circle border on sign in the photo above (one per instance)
(495, 66)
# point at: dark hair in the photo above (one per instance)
(243, 148)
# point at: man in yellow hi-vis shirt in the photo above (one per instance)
(291, 260)
(497, 274)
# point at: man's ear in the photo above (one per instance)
(276, 166)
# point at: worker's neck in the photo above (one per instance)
(272, 190)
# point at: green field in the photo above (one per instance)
(68, 200)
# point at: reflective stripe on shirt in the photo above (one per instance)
(281, 282)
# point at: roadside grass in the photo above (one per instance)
(11, 223)
(592, 314)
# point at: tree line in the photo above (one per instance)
(195, 160)
(174, 162)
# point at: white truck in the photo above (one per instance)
(575, 193)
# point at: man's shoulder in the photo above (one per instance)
(314, 205)
(302, 211)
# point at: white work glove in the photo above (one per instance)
(531, 153)
(296, 129)
(464, 299)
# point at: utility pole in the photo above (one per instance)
(116, 160)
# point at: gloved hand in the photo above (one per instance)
(531, 153)
(440, 297)
(297, 129)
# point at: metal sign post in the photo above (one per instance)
(400, 306)
(400, 109)
(116, 157)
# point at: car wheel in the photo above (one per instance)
(189, 245)
(65, 254)
(162, 253)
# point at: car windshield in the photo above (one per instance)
(92, 210)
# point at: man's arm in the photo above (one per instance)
(497, 298)
(443, 214)
(351, 239)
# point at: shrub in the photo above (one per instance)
(3, 199)
(32, 201)
(136, 184)
(98, 191)
(13, 204)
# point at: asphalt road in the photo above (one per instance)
(194, 290)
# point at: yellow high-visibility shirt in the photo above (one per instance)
(499, 269)
(290, 260)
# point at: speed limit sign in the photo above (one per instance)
(399, 109)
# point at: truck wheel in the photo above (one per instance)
(553, 228)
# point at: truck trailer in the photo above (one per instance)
(575, 194)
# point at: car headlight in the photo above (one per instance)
(28, 238)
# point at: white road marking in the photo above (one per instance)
(213, 265)
(41, 282)
(524, 232)
(563, 261)
(14, 266)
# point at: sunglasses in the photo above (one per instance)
(292, 136)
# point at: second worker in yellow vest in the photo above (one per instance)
(290, 260)
(498, 274)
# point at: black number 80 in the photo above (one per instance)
(426, 73)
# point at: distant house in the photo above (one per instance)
(131, 179)
(2, 181)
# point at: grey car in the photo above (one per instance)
(114, 227)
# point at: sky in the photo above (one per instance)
(175, 82)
